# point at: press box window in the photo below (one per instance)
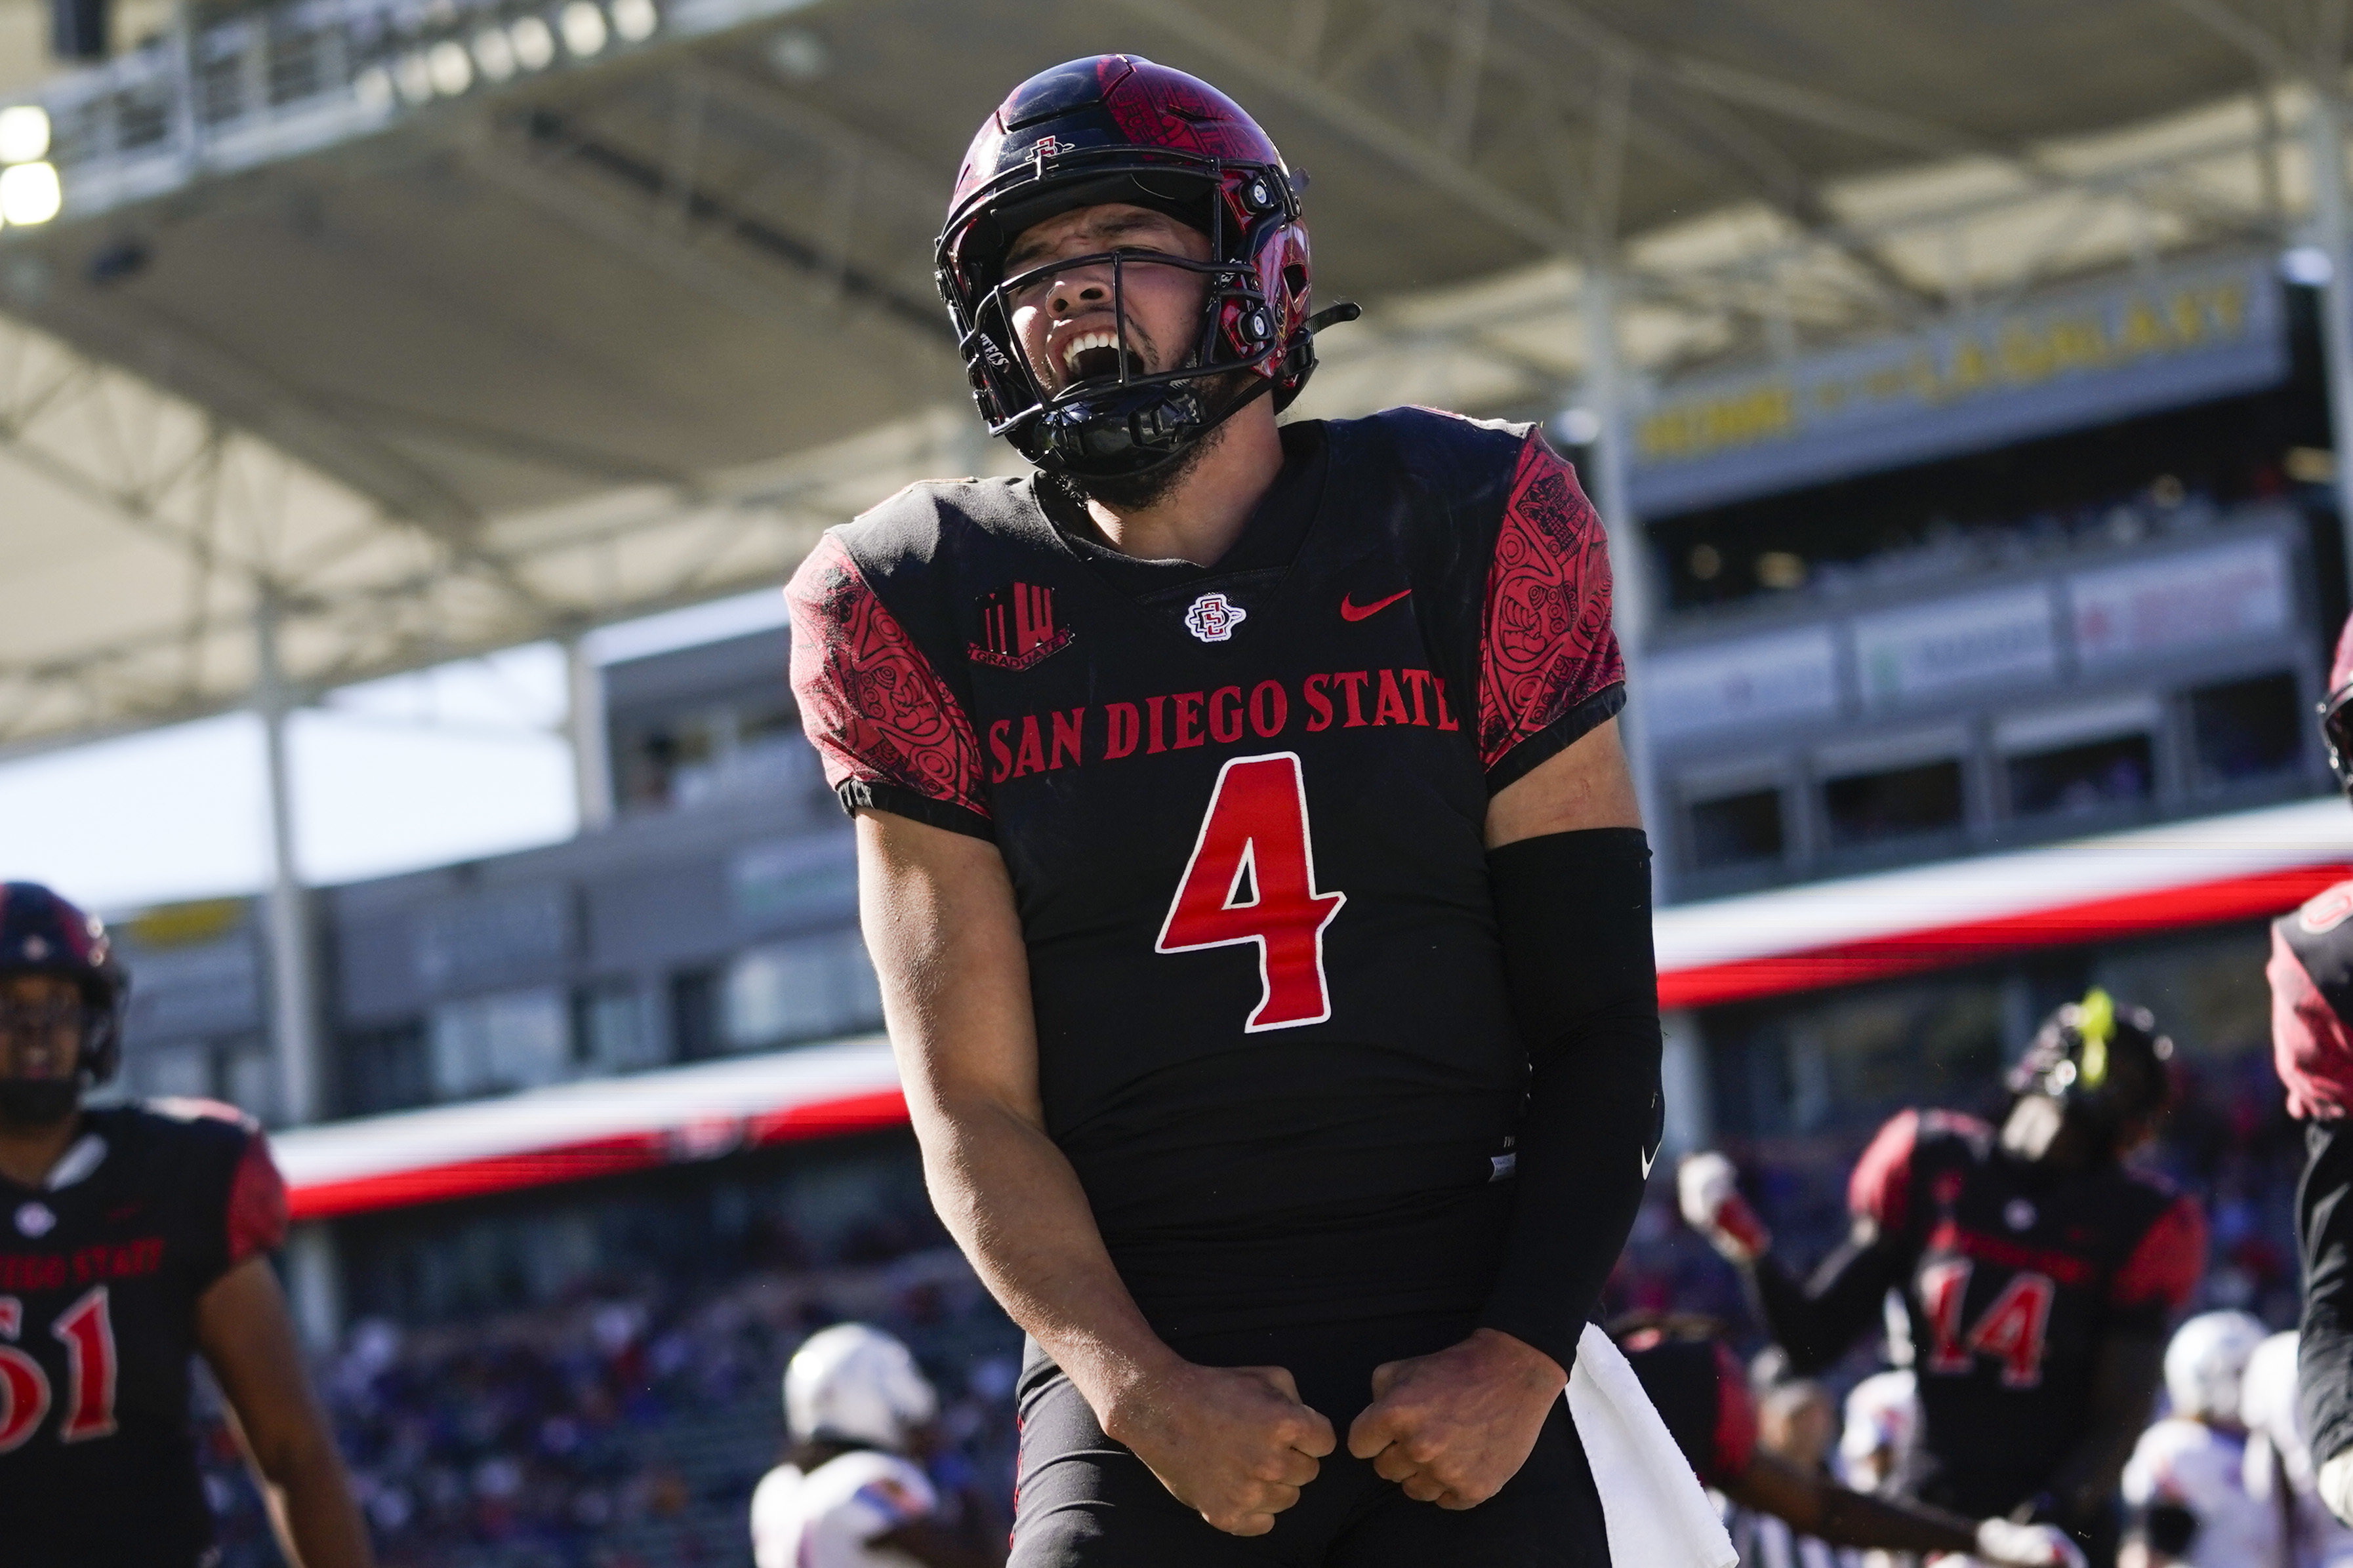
(1873, 809)
(2088, 776)
(1736, 829)
(2246, 729)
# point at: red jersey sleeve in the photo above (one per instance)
(891, 734)
(2310, 1045)
(2167, 1264)
(1735, 1420)
(1549, 667)
(1881, 1188)
(256, 1204)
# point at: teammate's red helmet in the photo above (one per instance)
(1117, 127)
(41, 933)
(2337, 711)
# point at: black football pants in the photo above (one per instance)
(1085, 1501)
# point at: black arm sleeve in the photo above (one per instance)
(1573, 909)
(1815, 1321)
(2323, 1218)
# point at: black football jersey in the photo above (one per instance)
(2013, 1279)
(1242, 812)
(99, 1273)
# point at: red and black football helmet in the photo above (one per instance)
(41, 933)
(1118, 128)
(2336, 712)
(2106, 1061)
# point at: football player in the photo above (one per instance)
(1253, 874)
(2040, 1274)
(131, 1239)
(1697, 1385)
(2186, 1482)
(2311, 974)
(2279, 1473)
(848, 1495)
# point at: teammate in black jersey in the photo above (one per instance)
(1251, 866)
(2038, 1271)
(2311, 974)
(1701, 1394)
(131, 1239)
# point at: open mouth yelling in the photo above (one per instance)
(1091, 355)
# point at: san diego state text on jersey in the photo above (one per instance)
(1243, 823)
(2013, 1277)
(99, 1273)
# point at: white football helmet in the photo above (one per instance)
(2206, 1362)
(853, 1383)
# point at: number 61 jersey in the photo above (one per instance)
(99, 1273)
(1241, 808)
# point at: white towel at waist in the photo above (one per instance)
(1656, 1514)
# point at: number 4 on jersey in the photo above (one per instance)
(1257, 827)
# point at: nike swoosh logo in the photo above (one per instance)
(1349, 612)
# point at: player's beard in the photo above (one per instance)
(29, 1104)
(1135, 493)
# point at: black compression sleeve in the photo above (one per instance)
(1574, 910)
(1815, 1321)
(2324, 1213)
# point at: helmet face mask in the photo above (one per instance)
(1117, 129)
(2337, 711)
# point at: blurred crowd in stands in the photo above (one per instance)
(626, 1431)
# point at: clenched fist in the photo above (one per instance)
(1708, 1192)
(1452, 1427)
(1233, 1443)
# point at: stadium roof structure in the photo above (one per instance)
(403, 331)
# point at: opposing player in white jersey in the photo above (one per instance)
(2279, 1470)
(848, 1495)
(2185, 1480)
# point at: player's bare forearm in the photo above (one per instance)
(1819, 1507)
(940, 920)
(2124, 1373)
(247, 1339)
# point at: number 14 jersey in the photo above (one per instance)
(1242, 812)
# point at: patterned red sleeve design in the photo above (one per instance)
(1548, 646)
(873, 706)
(1881, 1188)
(2310, 1045)
(2167, 1265)
(256, 1204)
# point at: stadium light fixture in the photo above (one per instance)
(494, 53)
(635, 20)
(534, 46)
(451, 69)
(585, 32)
(2307, 265)
(30, 193)
(25, 134)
